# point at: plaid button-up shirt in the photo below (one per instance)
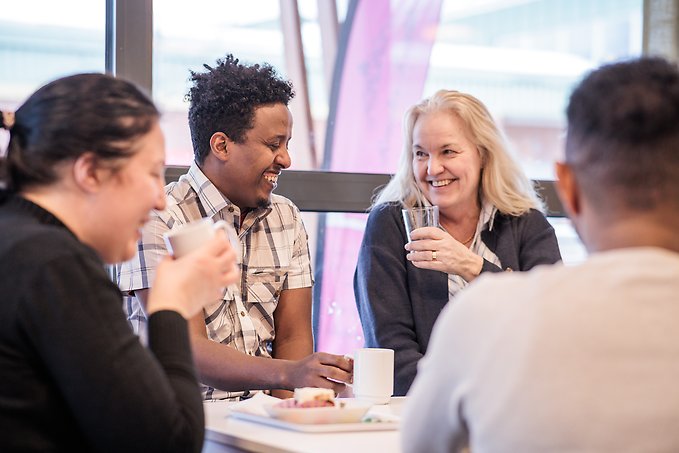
(274, 256)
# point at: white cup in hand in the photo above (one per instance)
(374, 375)
(426, 216)
(191, 236)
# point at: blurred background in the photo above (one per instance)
(356, 66)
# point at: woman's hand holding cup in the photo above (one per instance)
(188, 282)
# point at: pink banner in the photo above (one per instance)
(384, 69)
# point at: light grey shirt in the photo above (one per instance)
(582, 358)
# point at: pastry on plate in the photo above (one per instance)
(314, 397)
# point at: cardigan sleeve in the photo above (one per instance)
(537, 241)
(522, 242)
(382, 294)
(121, 395)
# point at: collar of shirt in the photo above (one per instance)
(216, 205)
(487, 216)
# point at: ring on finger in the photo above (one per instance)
(433, 255)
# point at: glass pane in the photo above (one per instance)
(42, 40)
(522, 58)
(316, 77)
(339, 329)
(186, 38)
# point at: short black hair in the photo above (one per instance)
(623, 134)
(95, 113)
(224, 99)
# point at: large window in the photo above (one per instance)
(522, 59)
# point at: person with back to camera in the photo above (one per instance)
(84, 167)
(453, 157)
(585, 357)
(257, 336)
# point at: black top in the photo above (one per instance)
(73, 376)
(398, 303)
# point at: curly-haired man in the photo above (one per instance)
(258, 336)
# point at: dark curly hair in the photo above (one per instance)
(70, 116)
(623, 134)
(224, 99)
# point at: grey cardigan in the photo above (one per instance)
(399, 303)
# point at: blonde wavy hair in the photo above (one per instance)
(503, 183)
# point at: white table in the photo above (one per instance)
(229, 434)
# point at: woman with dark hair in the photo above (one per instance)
(83, 170)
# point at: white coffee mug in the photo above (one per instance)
(374, 375)
(191, 236)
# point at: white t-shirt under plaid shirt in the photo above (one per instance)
(274, 256)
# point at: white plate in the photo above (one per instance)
(350, 412)
(324, 428)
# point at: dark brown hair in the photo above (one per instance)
(224, 99)
(623, 134)
(94, 113)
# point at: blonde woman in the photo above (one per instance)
(454, 157)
